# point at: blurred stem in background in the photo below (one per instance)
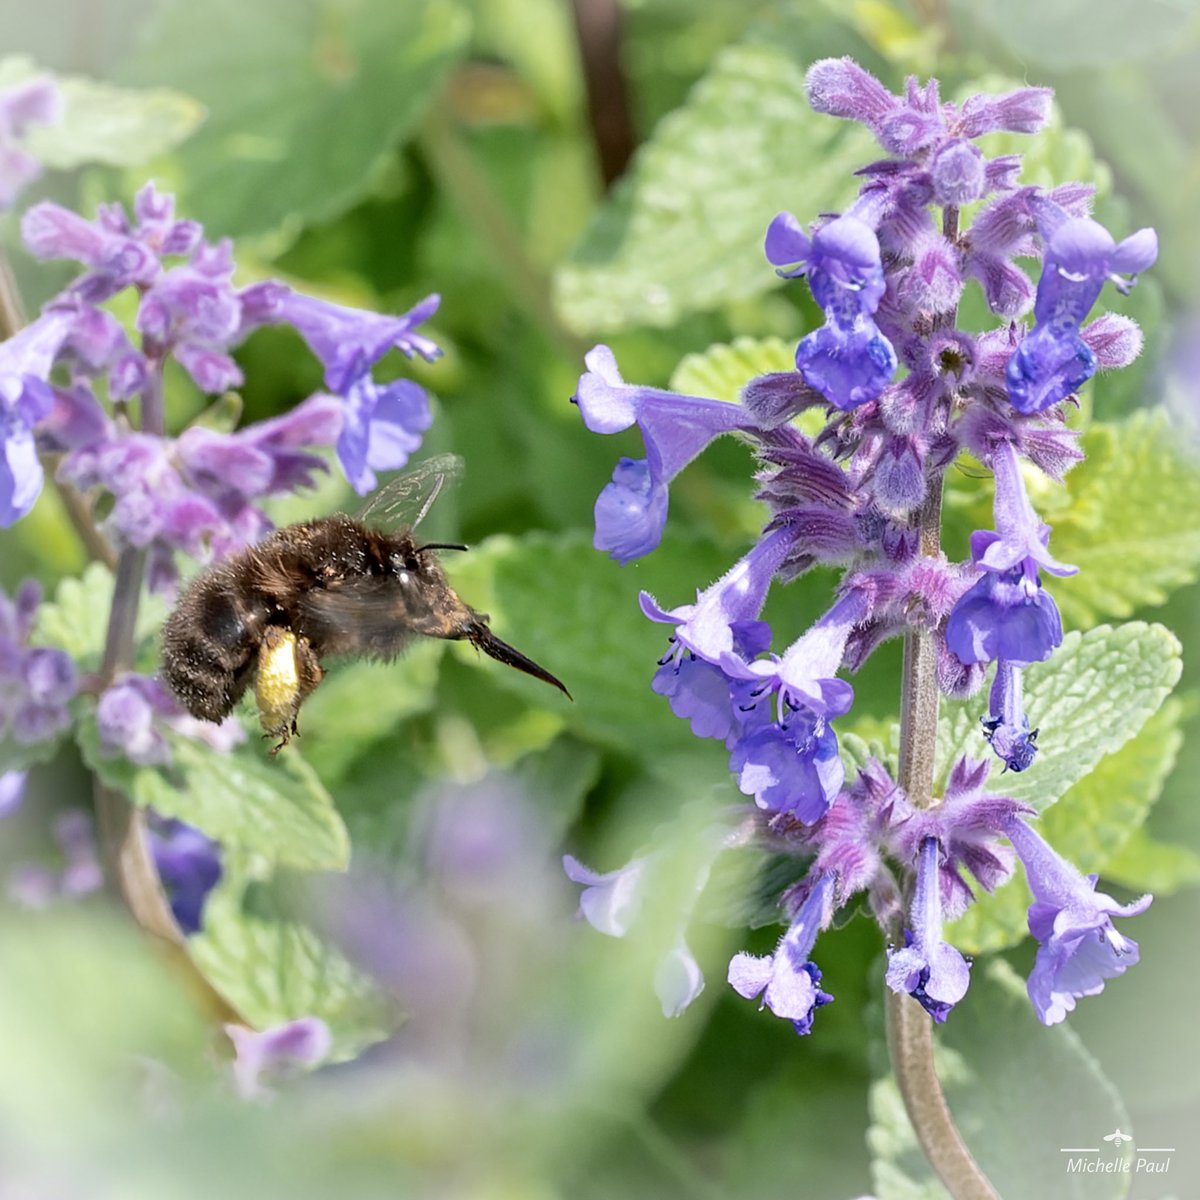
(598, 29)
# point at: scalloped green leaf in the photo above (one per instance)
(1126, 519)
(1145, 864)
(682, 231)
(76, 620)
(989, 1052)
(273, 968)
(721, 371)
(1092, 826)
(274, 806)
(100, 123)
(306, 98)
(1094, 694)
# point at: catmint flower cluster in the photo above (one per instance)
(71, 379)
(35, 101)
(904, 393)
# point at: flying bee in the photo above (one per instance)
(337, 586)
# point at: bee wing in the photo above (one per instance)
(357, 616)
(403, 502)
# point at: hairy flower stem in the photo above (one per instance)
(77, 509)
(909, 1026)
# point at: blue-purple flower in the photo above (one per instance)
(610, 903)
(632, 510)
(1006, 726)
(787, 981)
(1008, 614)
(1054, 360)
(189, 865)
(847, 360)
(1079, 948)
(930, 970)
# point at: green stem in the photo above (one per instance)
(471, 190)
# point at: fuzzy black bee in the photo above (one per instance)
(335, 586)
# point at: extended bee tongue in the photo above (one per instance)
(480, 635)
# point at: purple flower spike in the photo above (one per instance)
(786, 980)
(609, 903)
(928, 969)
(189, 865)
(1008, 614)
(32, 102)
(302, 1042)
(1055, 360)
(847, 360)
(1079, 947)
(1006, 726)
(632, 510)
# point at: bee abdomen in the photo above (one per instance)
(208, 647)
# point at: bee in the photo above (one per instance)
(337, 586)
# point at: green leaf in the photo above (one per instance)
(721, 371)
(990, 1051)
(1126, 519)
(77, 619)
(100, 123)
(1094, 694)
(306, 99)
(274, 968)
(275, 806)
(683, 230)
(1146, 864)
(1091, 826)
(359, 703)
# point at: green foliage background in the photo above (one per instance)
(375, 151)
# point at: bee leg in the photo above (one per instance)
(287, 672)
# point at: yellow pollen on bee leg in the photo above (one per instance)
(277, 685)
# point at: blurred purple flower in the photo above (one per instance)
(125, 717)
(12, 791)
(34, 101)
(678, 980)
(35, 885)
(272, 1053)
(189, 865)
(38, 682)
(610, 903)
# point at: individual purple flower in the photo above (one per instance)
(1054, 360)
(127, 715)
(26, 359)
(790, 767)
(1079, 948)
(274, 1052)
(632, 510)
(610, 903)
(786, 981)
(706, 628)
(383, 422)
(34, 101)
(702, 692)
(1008, 614)
(927, 968)
(189, 865)
(847, 360)
(1006, 726)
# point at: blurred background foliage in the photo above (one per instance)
(377, 151)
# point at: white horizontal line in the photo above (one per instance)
(1079, 1149)
(1155, 1149)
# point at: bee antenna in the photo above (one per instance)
(441, 546)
